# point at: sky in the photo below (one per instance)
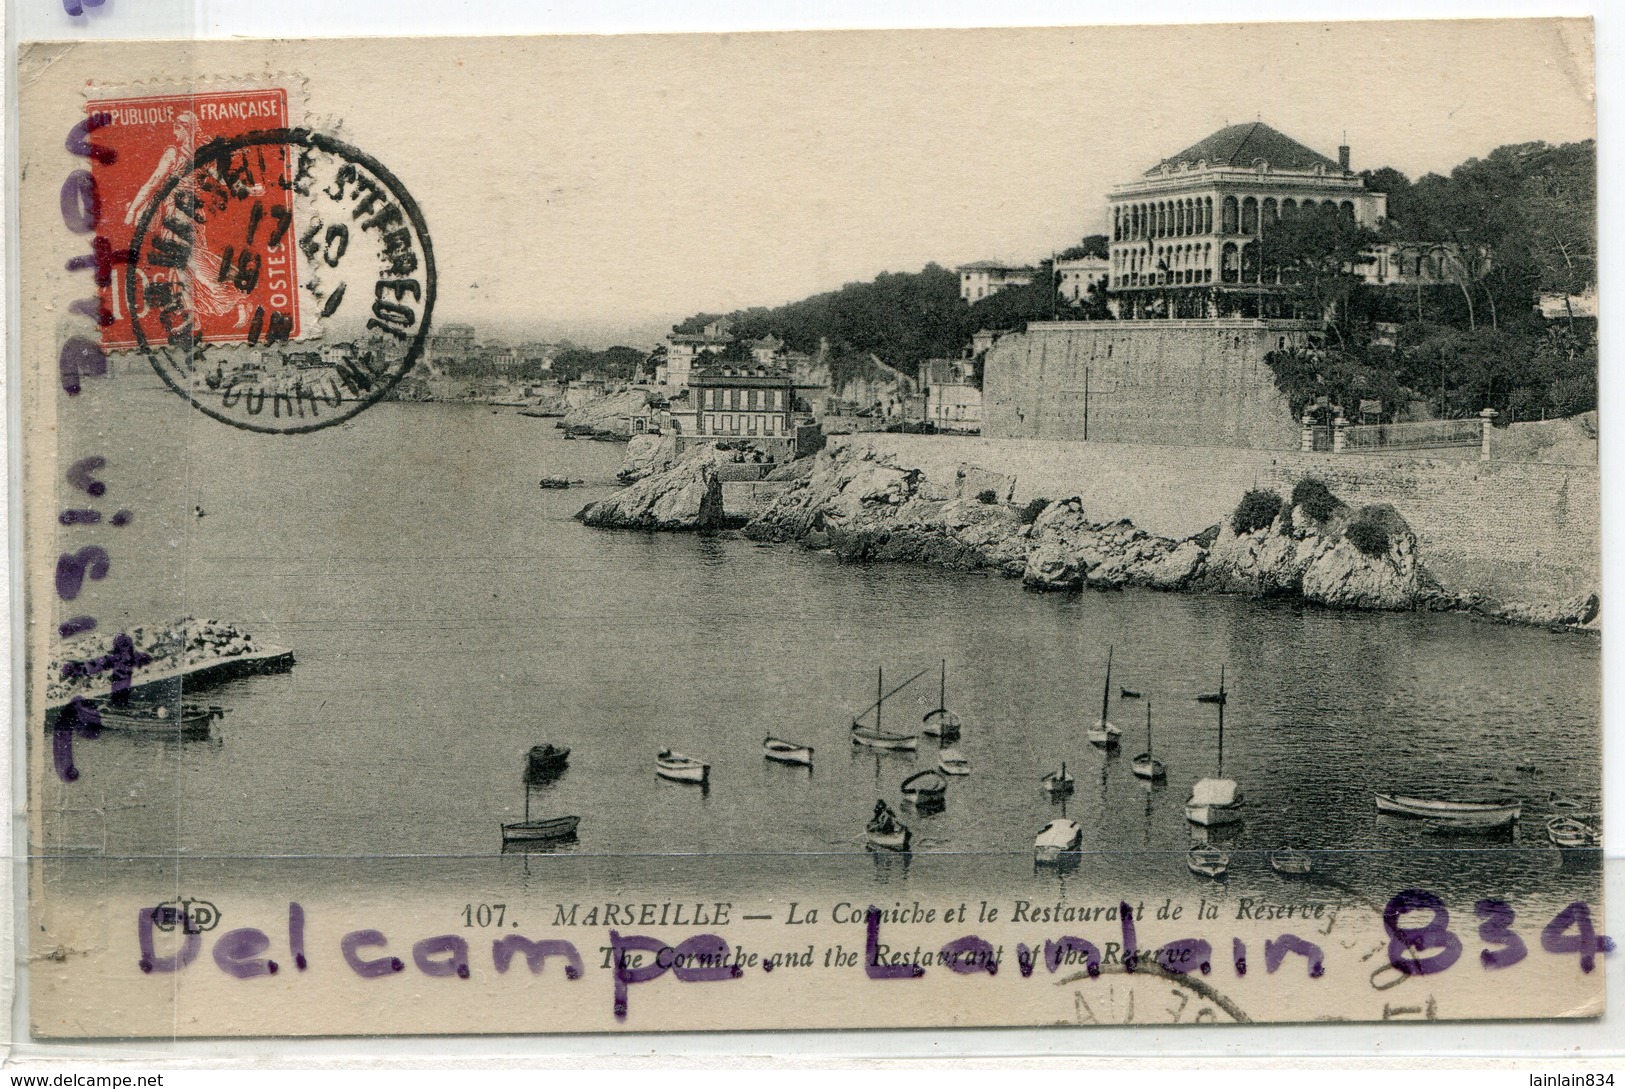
(605, 187)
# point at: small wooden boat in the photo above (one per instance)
(1476, 815)
(924, 786)
(190, 720)
(1146, 766)
(681, 769)
(1564, 804)
(1570, 832)
(538, 831)
(880, 739)
(952, 762)
(1213, 802)
(874, 736)
(1059, 783)
(787, 752)
(1291, 862)
(529, 831)
(1207, 861)
(1060, 836)
(1103, 734)
(941, 722)
(545, 760)
(1213, 697)
(1129, 693)
(885, 832)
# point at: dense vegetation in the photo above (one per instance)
(1521, 221)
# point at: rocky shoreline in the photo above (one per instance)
(866, 508)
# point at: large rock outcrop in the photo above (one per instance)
(645, 455)
(1360, 559)
(609, 416)
(687, 496)
(867, 508)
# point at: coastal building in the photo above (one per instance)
(452, 341)
(683, 348)
(979, 279)
(1188, 236)
(744, 400)
(1075, 276)
(766, 350)
(953, 396)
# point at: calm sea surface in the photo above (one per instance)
(447, 615)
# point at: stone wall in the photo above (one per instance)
(1188, 383)
(1509, 531)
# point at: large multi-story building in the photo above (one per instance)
(1198, 220)
(746, 400)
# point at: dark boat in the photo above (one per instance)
(941, 722)
(885, 832)
(1129, 693)
(546, 760)
(190, 720)
(1211, 697)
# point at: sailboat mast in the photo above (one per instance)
(1221, 719)
(1106, 693)
(1148, 727)
(880, 696)
(527, 801)
(942, 689)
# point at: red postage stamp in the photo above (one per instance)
(237, 293)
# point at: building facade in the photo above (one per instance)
(979, 279)
(1075, 276)
(1198, 219)
(744, 400)
(683, 348)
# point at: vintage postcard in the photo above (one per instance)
(812, 530)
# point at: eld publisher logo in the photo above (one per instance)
(192, 916)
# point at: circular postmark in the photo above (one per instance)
(255, 245)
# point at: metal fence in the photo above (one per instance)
(1415, 435)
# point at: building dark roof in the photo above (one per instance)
(1241, 146)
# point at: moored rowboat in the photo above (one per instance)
(1291, 862)
(1570, 832)
(545, 760)
(787, 752)
(1208, 861)
(1474, 814)
(881, 739)
(681, 769)
(553, 828)
(1058, 783)
(189, 721)
(927, 785)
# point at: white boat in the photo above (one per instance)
(1570, 832)
(787, 752)
(1217, 800)
(1060, 836)
(1476, 816)
(1146, 766)
(875, 737)
(885, 832)
(1059, 783)
(1214, 801)
(925, 786)
(1103, 734)
(1207, 861)
(953, 762)
(941, 722)
(681, 769)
